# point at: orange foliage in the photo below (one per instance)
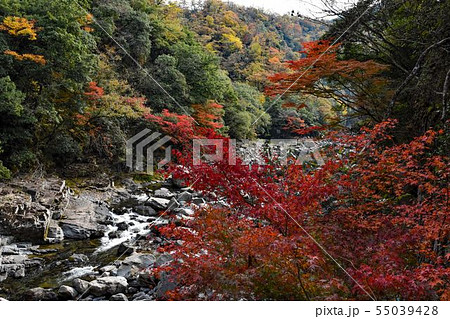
(88, 19)
(321, 61)
(209, 115)
(322, 74)
(27, 56)
(18, 26)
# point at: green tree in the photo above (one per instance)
(52, 87)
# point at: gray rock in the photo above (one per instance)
(108, 286)
(139, 260)
(77, 231)
(81, 286)
(173, 204)
(67, 293)
(12, 270)
(81, 221)
(34, 263)
(13, 259)
(122, 226)
(102, 213)
(141, 296)
(79, 258)
(158, 203)
(184, 197)
(164, 285)
(135, 266)
(127, 271)
(163, 259)
(118, 297)
(145, 210)
(23, 219)
(110, 269)
(125, 249)
(25, 207)
(37, 294)
(164, 193)
(55, 233)
(10, 250)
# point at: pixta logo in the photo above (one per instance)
(141, 148)
(284, 151)
(149, 142)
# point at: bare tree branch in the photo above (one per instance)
(445, 100)
(413, 73)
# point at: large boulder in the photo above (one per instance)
(164, 193)
(81, 219)
(135, 266)
(158, 203)
(38, 294)
(12, 270)
(54, 233)
(67, 293)
(22, 218)
(145, 210)
(80, 285)
(27, 206)
(108, 286)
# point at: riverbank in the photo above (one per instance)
(92, 240)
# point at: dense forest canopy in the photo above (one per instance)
(141, 56)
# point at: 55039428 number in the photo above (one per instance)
(407, 310)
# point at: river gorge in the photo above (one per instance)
(95, 240)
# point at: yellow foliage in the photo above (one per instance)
(211, 47)
(233, 40)
(27, 56)
(17, 26)
(230, 19)
(210, 21)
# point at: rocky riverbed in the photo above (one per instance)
(92, 241)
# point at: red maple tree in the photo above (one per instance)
(377, 208)
(357, 85)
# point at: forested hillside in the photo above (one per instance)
(74, 84)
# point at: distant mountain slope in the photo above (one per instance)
(250, 41)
